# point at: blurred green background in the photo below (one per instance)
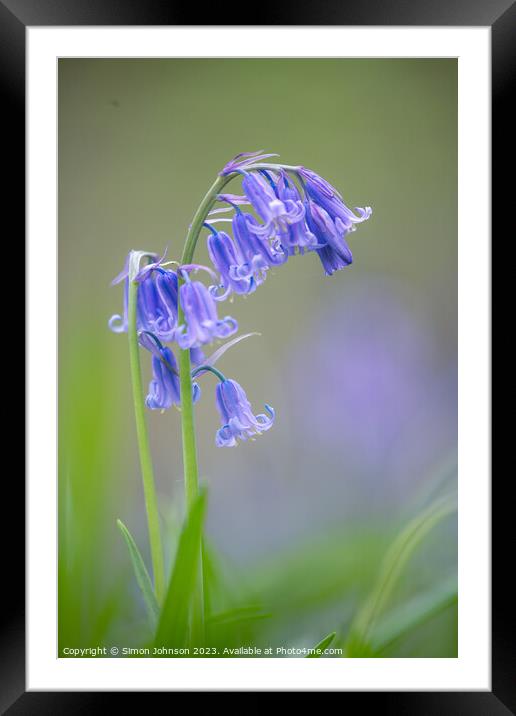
(360, 367)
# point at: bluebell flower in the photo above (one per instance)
(157, 303)
(238, 420)
(298, 235)
(258, 255)
(276, 214)
(164, 387)
(243, 261)
(326, 196)
(156, 308)
(333, 249)
(228, 261)
(331, 260)
(202, 324)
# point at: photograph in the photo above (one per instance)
(257, 357)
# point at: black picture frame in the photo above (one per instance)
(15, 16)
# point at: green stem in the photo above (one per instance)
(200, 217)
(190, 466)
(273, 167)
(191, 480)
(149, 489)
(191, 476)
(209, 369)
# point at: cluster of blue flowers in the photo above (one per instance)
(298, 211)
(295, 211)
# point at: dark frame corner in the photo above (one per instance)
(15, 16)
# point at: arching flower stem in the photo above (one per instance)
(211, 369)
(273, 167)
(191, 479)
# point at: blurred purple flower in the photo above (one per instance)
(386, 399)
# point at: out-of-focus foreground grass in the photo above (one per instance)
(326, 581)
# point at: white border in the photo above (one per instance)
(471, 671)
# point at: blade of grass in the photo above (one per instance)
(321, 646)
(239, 614)
(340, 562)
(173, 625)
(211, 577)
(142, 576)
(414, 613)
(392, 567)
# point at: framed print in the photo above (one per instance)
(258, 277)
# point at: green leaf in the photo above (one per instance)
(211, 577)
(413, 613)
(172, 628)
(142, 576)
(238, 615)
(394, 562)
(321, 646)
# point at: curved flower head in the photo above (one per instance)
(164, 387)
(277, 215)
(322, 193)
(238, 420)
(202, 324)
